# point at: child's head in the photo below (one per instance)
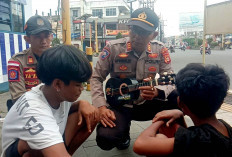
(202, 88)
(63, 62)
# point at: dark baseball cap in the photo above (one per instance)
(37, 24)
(144, 18)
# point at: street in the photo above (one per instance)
(180, 58)
(222, 58)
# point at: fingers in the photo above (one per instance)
(148, 92)
(80, 119)
(96, 115)
(88, 123)
(169, 122)
(160, 116)
(107, 118)
(111, 115)
(107, 122)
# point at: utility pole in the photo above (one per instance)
(96, 40)
(131, 8)
(204, 35)
(90, 36)
(81, 48)
(66, 32)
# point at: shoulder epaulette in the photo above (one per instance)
(157, 42)
(118, 41)
(21, 53)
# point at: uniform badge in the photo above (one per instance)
(123, 55)
(149, 47)
(30, 60)
(152, 69)
(165, 53)
(13, 71)
(128, 46)
(30, 77)
(105, 53)
(40, 22)
(142, 15)
(153, 55)
(123, 67)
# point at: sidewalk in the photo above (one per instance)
(90, 149)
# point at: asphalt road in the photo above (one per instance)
(181, 58)
(221, 58)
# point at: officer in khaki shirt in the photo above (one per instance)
(21, 67)
(137, 56)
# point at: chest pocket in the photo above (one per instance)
(122, 65)
(151, 67)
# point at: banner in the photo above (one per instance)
(115, 32)
(218, 18)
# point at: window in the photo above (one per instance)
(75, 13)
(111, 26)
(5, 22)
(17, 17)
(76, 26)
(11, 16)
(97, 13)
(111, 12)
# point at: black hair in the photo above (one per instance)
(202, 88)
(64, 62)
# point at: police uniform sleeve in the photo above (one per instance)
(101, 70)
(165, 66)
(16, 79)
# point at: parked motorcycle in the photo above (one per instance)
(207, 50)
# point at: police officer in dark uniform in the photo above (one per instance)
(138, 56)
(21, 67)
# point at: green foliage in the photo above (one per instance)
(209, 41)
(200, 41)
(213, 44)
(119, 35)
(55, 42)
(190, 41)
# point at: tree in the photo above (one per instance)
(55, 42)
(119, 35)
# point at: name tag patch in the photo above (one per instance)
(30, 77)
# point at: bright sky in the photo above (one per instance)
(168, 9)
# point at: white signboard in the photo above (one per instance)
(218, 18)
(191, 21)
